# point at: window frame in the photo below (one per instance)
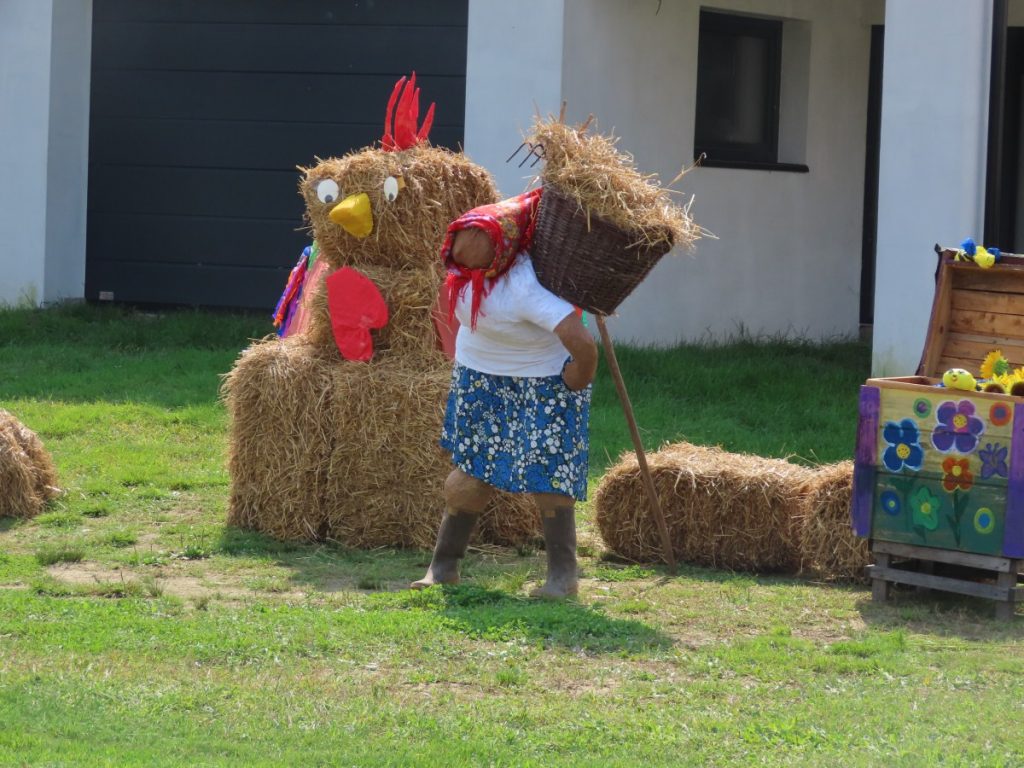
(765, 153)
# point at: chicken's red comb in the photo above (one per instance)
(406, 113)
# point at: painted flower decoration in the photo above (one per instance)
(891, 502)
(993, 460)
(904, 449)
(999, 414)
(958, 428)
(957, 474)
(922, 407)
(925, 509)
(984, 520)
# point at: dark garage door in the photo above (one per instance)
(202, 109)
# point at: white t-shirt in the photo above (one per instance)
(513, 335)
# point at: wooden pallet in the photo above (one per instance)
(908, 564)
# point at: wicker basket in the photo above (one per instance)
(593, 264)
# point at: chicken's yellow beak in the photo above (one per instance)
(354, 214)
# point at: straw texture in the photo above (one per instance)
(828, 547)
(723, 510)
(331, 450)
(28, 479)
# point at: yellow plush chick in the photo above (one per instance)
(958, 378)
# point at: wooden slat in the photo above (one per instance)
(997, 280)
(1002, 325)
(898, 404)
(976, 346)
(254, 96)
(989, 301)
(217, 241)
(264, 145)
(191, 284)
(330, 12)
(935, 340)
(943, 583)
(953, 557)
(306, 48)
(195, 191)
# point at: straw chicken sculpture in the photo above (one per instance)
(334, 430)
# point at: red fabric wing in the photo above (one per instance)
(356, 306)
(354, 343)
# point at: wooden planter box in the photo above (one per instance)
(939, 473)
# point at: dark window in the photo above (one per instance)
(739, 63)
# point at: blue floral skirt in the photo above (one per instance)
(521, 434)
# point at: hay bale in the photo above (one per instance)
(387, 470)
(604, 181)
(280, 437)
(828, 547)
(724, 510)
(28, 478)
(347, 452)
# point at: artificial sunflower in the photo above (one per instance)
(994, 364)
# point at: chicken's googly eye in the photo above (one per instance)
(391, 187)
(328, 191)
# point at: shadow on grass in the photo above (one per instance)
(940, 613)
(491, 614)
(10, 523)
(480, 612)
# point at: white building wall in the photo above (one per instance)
(513, 69)
(787, 257)
(24, 111)
(68, 156)
(787, 260)
(933, 155)
(44, 107)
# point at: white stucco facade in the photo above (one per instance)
(44, 127)
(933, 155)
(787, 257)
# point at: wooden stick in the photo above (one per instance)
(627, 408)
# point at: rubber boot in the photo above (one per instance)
(452, 540)
(560, 545)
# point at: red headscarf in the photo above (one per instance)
(510, 225)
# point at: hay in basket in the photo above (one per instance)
(601, 225)
(724, 510)
(28, 479)
(828, 547)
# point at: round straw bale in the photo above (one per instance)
(828, 547)
(724, 510)
(28, 479)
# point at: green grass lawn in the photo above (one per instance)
(137, 629)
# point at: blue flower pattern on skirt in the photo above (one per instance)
(521, 434)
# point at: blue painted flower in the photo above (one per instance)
(993, 460)
(904, 449)
(958, 428)
(891, 502)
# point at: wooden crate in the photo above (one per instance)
(939, 473)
